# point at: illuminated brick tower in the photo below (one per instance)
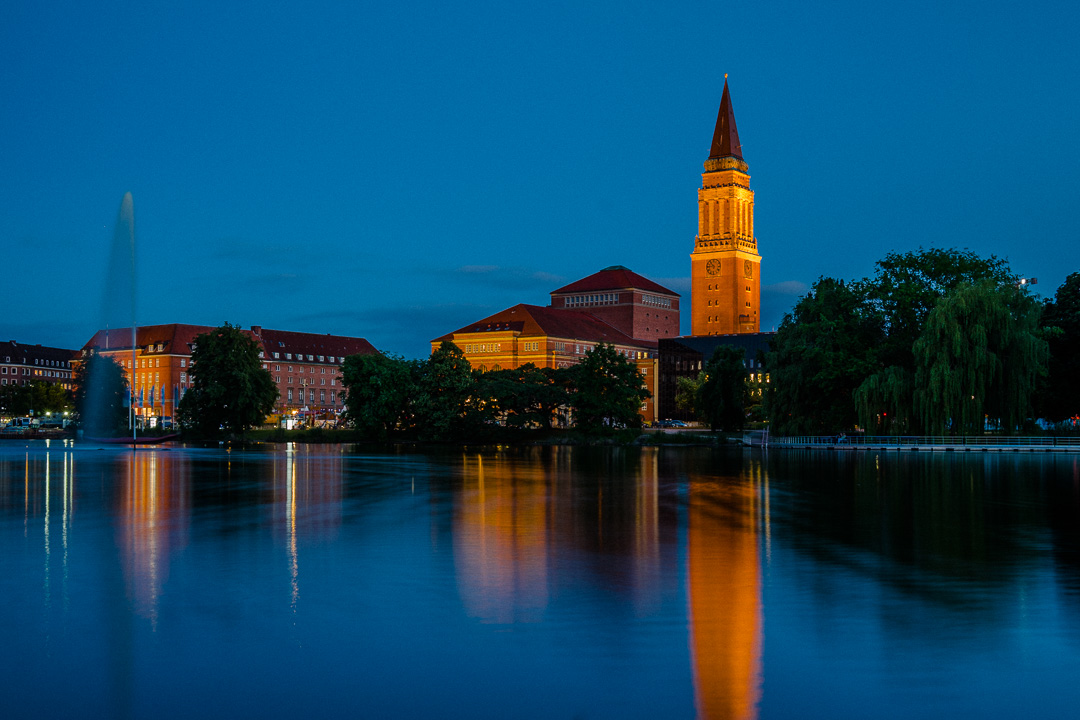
(725, 293)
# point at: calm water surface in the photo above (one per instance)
(326, 581)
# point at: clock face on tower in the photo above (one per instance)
(748, 268)
(713, 267)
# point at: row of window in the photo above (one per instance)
(289, 381)
(311, 396)
(598, 299)
(322, 370)
(656, 301)
(310, 358)
(48, 363)
(482, 347)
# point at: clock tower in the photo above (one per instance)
(725, 290)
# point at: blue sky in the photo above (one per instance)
(395, 170)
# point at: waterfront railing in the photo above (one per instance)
(913, 442)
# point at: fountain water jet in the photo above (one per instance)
(118, 319)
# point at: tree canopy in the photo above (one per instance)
(606, 391)
(380, 392)
(230, 389)
(443, 399)
(1061, 326)
(39, 396)
(890, 353)
(724, 392)
(822, 352)
(978, 358)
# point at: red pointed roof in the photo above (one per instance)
(725, 140)
(552, 322)
(615, 277)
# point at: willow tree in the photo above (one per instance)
(979, 358)
(884, 401)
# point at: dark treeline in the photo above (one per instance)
(442, 398)
(937, 342)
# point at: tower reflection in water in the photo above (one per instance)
(724, 588)
(517, 520)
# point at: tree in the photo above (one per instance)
(607, 391)
(905, 289)
(526, 396)
(688, 394)
(230, 389)
(822, 352)
(380, 390)
(907, 286)
(979, 357)
(1061, 325)
(447, 406)
(723, 394)
(102, 399)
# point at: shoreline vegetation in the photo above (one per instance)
(499, 436)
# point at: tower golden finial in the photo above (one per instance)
(725, 76)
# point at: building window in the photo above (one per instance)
(288, 356)
(290, 392)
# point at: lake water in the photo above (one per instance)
(328, 581)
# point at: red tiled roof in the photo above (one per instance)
(313, 343)
(175, 338)
(529, 320)
(614, 278)
(19, 350)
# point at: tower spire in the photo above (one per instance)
(725, 140)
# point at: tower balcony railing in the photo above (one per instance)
(739, 242)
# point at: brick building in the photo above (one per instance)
(615, 306)
(635, 305)
(22, 364)
(306, 367)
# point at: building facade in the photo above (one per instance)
(686, 357)
(614, 306)
(725, 266)
(632, 304)
(22, 364)
(306, 367)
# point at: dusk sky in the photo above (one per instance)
(396, 170)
